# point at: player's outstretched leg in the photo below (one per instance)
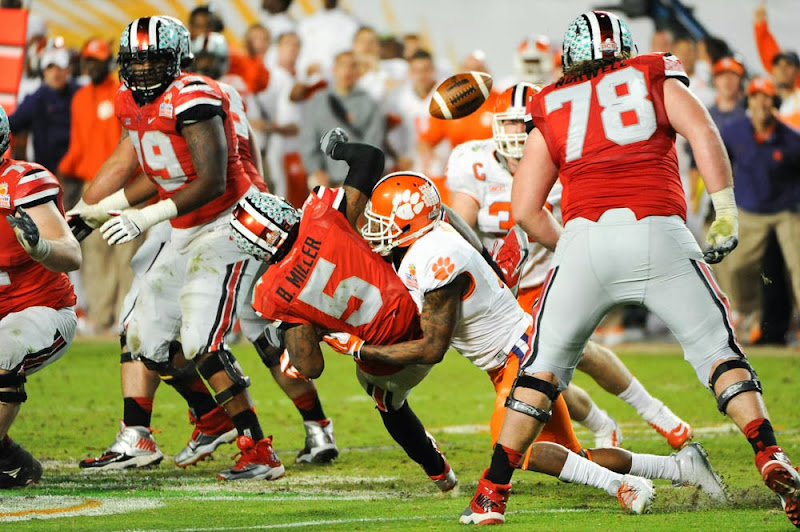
(605, 367)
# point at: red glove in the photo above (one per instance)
(345, 343)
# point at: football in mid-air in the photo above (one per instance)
(460, 95)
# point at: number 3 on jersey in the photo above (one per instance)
(628, 116)
(338, 304)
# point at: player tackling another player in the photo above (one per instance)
(607, 129)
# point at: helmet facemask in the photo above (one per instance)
(149, 57)
(508, 131)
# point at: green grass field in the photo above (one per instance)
(75, 406)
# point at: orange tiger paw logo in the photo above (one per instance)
(442, 268)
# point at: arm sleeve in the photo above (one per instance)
(766, 44)
(366, 165)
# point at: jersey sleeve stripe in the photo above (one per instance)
(337, 200)
(37, 197)
(41, 174)
(679, 75)
(198, 87)
(320, 191)
(197, 101)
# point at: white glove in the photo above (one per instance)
(331, 139)
(97, 214)
(133, 222)
(28, 235)
(723, 235)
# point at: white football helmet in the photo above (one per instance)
(211, 55)
(510, 108)
(533, 60)
(596, 35)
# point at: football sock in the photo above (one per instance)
(760, 434)
(645, 404)
(247, 424)
(579, 470)
(196, 394)
(309, 406)
(504, 461)
(407, 430)
(652, 466)
(137, 411)
(597, 419)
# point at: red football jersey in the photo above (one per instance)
(23, 281)
(333, 280)
(611, 139)
(242, 127)
(163, 153)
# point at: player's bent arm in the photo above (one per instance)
(140, 190)
(689, 117)
(438, 321)
(114, 172)
(466, 207)
(302, 343)
(366, 168)
(208, 148)
(65, 252)
(532, 183)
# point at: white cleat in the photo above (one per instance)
(609, 436)
(696, 471)
(635, 494)
(134, 447)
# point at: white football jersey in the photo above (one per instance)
(474, 170)
(491, 322)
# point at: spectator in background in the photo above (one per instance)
(409, 103)
(46, 112)
(277, 20)
(203, 20)
(324, 35)
(475, 126)
(279, 123)
(342, 105)
(662, 40)
(765, 154)
(250, 65)
(765, 42)
(728, 81)
(785, 68)
(685, 48)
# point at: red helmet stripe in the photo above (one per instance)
(142, 39)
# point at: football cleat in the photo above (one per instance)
(676, 431)
(510, 256)
(18, 467)
(635, 494)
(781, 477)
(609, 436)
(134, 447)
(696, 471)
(257, 461)
(210, 431)
(447, 480)
(488, 505)
(320, 444)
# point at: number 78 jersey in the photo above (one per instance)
(609, 134)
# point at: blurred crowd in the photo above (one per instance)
(299, 78)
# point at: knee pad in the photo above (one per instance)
(533, 383)
(17, 392)
(269, 353)
(750, 385)
(222, 360)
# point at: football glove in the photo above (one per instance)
(288, 369)
(723, 235)
(131, 223)
(345, 343)
(28, 235)
(330, 139)
(97, 214)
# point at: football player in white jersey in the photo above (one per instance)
(463, 303)
(480, 174)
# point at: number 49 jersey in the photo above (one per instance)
(609, 134)
(155, 131)
(331, 279)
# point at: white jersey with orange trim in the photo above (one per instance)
(473, 169)
(490, 323)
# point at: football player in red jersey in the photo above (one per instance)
(179, 129)
(318, 247)
(607, 129)
(37, 315)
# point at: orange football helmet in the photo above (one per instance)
(509, 108)
(403, 207)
